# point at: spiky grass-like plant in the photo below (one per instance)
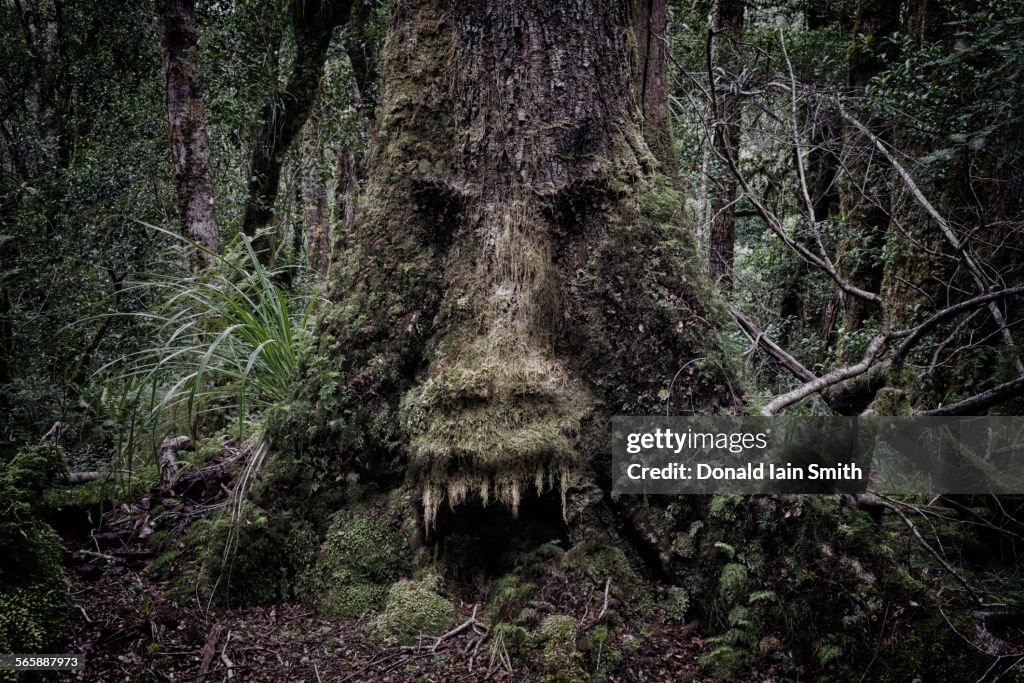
(226, 342)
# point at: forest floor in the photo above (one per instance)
(128, 617)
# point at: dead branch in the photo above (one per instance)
(56, 434)
(916, 333)
(757, 336)
(877, 499)
(84, 477)
(979, 277)
(167, 459)
(455, 631)
(832, 378)
(982, 401)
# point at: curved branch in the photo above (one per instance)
(916, 333)
(825, 381)
(979, 402)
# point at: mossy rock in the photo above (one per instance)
(24, 478)
(604, 560)
(556, 657)
(413, 609)
(33, 593)
(362, 554)
(268, 552)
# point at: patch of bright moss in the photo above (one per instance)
(361, 555)
(556, 657)
(413, 609)
(33, 593)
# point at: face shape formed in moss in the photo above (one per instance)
(520, 270)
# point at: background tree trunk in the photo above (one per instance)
(864, 191)
(313, 23)
(190, 146)
(727, 24)
(314, 196)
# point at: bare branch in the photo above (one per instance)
(774, 350)
(984, 400)
(979, 277)
(916, 333)
(834, 377)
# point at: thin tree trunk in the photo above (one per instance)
(650, 23)
(313, 23)
(348, 174)
(727, 18)
(190, 146)
(865, 199)
(314, 195)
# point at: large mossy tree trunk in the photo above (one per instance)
(519, 272)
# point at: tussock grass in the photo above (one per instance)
(225, 342)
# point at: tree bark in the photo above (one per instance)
(864, 196)
(313, 23)
(314, 196)
(345, 193)
(727, 25)
(190, 146)
(519, 273)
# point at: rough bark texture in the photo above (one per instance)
(313, 23)
(519, 273)
(348, 173)
(314, 200)
(966, 242)
(727, 23)
(362, 56)
(917, 272)
(864, 200)
(190, 146)
(650, 65)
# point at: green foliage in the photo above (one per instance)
(361, 556)
(33, 588)
(556, 657)
(24, 478)
(227, 342)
